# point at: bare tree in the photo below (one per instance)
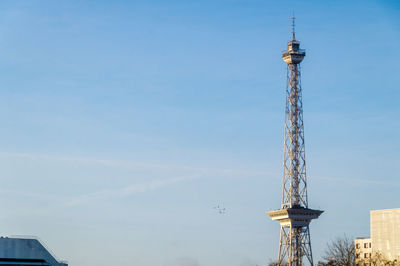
(275, 263)
(340, 251)
(379, 259)
(329, 263)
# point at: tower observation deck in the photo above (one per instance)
(294, 216)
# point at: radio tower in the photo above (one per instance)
(294, 216)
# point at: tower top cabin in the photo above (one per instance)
(293, 55)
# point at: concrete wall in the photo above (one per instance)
(385, 232)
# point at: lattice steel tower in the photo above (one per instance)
(294, 216)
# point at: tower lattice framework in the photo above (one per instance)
(294, 216)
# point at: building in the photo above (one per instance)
(26, 251)
(385, 236)
(363, 247)
(385, 232)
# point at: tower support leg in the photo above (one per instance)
(293, 245)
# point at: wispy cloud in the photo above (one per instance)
(82, 160)
(128, 190)
(137, 165)
(185, 261)
(360, 181)
(168, 175)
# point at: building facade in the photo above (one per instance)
(26, 251)
(385, 232)
(363, 249)
(384, 242)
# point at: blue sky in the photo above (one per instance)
(124, 123)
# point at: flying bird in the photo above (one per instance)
(220, 210)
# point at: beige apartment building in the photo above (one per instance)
(385, 236)
(363, 248)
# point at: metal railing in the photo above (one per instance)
(298, 51)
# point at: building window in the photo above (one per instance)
(357, 245)
(365, 245)
(369, 244)
(358, 255)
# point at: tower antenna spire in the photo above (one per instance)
(293, 32)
